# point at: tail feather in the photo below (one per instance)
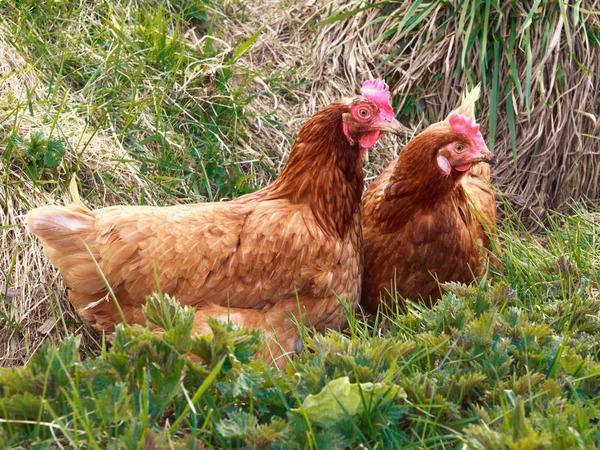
(75, 194)
(67, 233)
(62, 227)
(59, 223)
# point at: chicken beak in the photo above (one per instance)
(488, 157)
(393, 126)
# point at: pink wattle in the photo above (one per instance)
(369, 140)
(464, 167)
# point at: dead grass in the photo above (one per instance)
(556, 109)
(35, 303)
(556, 118)
(290, 85)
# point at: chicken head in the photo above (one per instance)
(370, 115)
(467, 149)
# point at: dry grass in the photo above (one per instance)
(36, 305)
(290, 48)
(556, 120)
(556, 158)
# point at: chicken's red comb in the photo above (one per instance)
(379, 93)
(467, 126)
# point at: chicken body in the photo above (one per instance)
(429, 216)
(250, 260)
(446, 240)
(284, 253)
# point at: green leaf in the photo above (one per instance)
(345, 15)
(239, 425)
(528, 73)
(510, 117)
(466, 37)
(340, 399)
(199, 393)
(54, 154)
(228, 341)
(527, 22)
(112, 403)
(563, 13)
(494, 96)
(484, 32)
(166, 313)
(17, 141)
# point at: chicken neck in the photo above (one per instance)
(325, 171)
(417, 183)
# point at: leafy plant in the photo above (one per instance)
(509, 364)
(40, 155)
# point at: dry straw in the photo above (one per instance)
(539, 65)
(36, 302)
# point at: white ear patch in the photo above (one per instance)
(444, 164)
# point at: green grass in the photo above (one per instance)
(175, 105)
(511, 363)
(149, 103)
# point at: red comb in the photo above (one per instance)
(467, 126)
(379, 93)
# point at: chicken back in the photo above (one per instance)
(284, 253)
(430, 216)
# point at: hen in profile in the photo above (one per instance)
(287, 250)
(430, 215)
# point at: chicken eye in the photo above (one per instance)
(364, 113)
(459, 148)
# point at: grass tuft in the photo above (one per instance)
(537, 62)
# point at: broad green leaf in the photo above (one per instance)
(340, 399)
(54, 154)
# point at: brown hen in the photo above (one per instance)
(428, 218)
(286, 250)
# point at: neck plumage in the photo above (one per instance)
(325, 171)
(417, 182)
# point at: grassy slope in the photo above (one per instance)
(144, 105)
(135, 99)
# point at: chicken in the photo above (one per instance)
(284, 253)
(429, 216)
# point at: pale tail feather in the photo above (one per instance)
(63, 231)
(75, 194)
